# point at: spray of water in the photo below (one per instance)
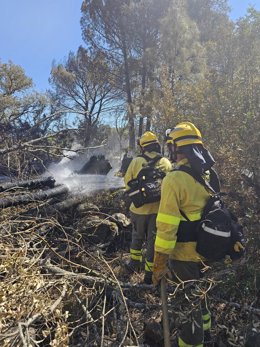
(64, 173)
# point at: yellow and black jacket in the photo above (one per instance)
(134, 168)
(175, 236)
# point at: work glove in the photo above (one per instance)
(238, 247)
(237, 250)
(160, 267)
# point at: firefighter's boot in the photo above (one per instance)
(148, 277)
(148, 272)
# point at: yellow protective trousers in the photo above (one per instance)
(195, 318)
(143, 237)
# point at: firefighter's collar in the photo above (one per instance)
(183, 162)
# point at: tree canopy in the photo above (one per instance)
(143, 65)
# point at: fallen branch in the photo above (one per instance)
(92, 279)
(25, 325)
(125, 305)
(79, 276)
(64, 205)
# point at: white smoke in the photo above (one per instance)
(64, 172)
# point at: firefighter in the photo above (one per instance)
(144, 218)
(175, 244)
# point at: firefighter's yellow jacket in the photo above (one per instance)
(179, 192)
(134, 168)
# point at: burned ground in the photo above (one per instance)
(64, 282)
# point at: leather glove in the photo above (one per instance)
(160, 267)
(238, 247)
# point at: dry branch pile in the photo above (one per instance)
(63, 282)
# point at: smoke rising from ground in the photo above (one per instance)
(64, 172)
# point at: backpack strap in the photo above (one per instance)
(196, 176)
(214, 180)
(184, 215)
(151, 161)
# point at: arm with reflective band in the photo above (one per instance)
(164, 246)
(168, 218)
(128, 175)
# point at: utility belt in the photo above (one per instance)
(188, 231)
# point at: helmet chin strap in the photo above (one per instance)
(173, 151)
(173, 156)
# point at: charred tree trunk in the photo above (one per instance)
(31, 184)
(97, 165)
(64, 205)
(30, 197)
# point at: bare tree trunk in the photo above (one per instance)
(148, 124)
(131, 123)
(141, 119)
(141, 124)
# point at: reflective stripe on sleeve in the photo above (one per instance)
(167, 244)
(168, 219)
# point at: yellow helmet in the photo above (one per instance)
(147, 139)
(183, 134)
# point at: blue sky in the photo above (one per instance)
(239, 7)
(33, 33)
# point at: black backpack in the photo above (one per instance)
(146, 187)
(218, 230)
